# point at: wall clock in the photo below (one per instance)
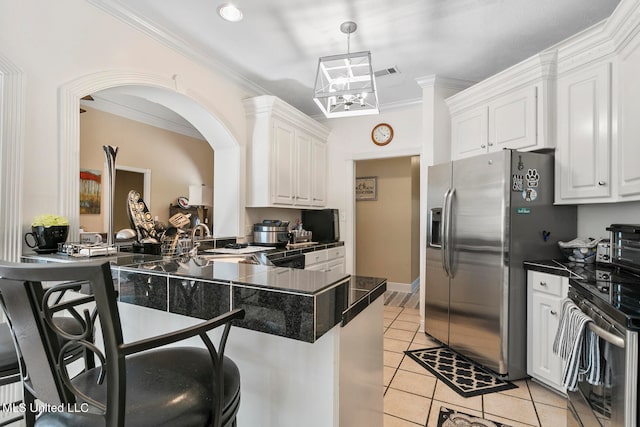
(382, 134)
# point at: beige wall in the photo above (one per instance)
(387, 229)
(175, 160)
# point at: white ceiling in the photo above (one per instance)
(275, 49)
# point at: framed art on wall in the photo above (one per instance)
(367, 188)
(90, 191)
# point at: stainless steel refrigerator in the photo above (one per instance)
(486, 215)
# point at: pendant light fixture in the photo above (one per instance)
(345, 84)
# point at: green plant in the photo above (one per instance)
(48, 220)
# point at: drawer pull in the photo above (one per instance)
(553, 312)
(543, 283)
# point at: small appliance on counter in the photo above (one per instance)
(603, 252)
(271, 232)
(323, 223)
(300, 236)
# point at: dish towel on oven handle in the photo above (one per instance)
(577, 345)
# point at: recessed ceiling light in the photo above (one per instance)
(230, 13)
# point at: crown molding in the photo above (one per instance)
(141, 117)
(539, 68)
(120, 11)
(444, 82)
(269, 104)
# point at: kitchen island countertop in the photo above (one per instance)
(294, 303)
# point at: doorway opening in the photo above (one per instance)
(128, 179)
(387, 223)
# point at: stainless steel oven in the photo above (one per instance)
(610, 295)
(614, 401)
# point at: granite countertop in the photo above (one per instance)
(276, 278)
(295, 303)
(613, 290)
(558, 267)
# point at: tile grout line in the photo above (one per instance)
(535, 408)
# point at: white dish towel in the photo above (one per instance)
(578, 346)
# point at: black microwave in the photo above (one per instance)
(323, 223)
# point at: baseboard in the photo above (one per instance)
(399, 287)
(415, 285)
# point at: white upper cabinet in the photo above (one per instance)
(286, 156)
(583, 150)
(469, 135)
(318, 173)
(598, 102)
(628, 169)
(512, 109)
(283, 158)
(513, 120)
(303, 161)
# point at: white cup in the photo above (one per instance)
(90, 238)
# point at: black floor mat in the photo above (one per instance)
(466, 378)
(452, 418)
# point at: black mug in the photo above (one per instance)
(47, 237)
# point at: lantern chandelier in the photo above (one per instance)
(345, 84)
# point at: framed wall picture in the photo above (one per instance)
(90, 191)
(367, 188)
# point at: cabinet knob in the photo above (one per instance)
(543, 283)
(553, 312)
(491, 144)
(601, 183)
(483, 146)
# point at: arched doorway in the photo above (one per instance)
(228, 198)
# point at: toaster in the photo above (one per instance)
(603, 252)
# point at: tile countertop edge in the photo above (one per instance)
(372, 293)
(547, 266)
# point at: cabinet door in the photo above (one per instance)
(629, 136)
(545, 365)
(513, 120)
(469, 133)
(282, 165)
(584, 141)
(319, 173)
(317, 267)
(303, 169)
(316, 257)
(337, 265)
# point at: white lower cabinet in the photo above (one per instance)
(331, 259)
(545, 293)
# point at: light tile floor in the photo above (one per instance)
(413, 396)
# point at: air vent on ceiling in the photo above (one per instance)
(387, 71)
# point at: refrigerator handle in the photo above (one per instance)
(447, 253)
(444, 227)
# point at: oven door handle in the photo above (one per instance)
(607, 336)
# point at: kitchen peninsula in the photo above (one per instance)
(310, 349)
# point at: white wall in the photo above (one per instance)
(593, 219)
(350, 140)
(54, 43)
